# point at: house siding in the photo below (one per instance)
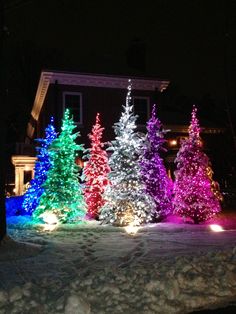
(107, 101)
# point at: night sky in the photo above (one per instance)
(192, 43)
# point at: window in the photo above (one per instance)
(141, 108)
(73, 101)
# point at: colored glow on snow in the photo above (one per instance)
(216, 228)
(48, 227)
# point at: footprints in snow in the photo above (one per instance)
(133, 256)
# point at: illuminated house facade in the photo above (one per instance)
(85, 95)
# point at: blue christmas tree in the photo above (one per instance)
(42, 165)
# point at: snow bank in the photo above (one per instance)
(93, 269)
(10, 249)
(168, 286)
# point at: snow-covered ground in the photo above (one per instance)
(164, 268)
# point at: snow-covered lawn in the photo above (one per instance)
(164, 268)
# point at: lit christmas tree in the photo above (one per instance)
(215, 187)
(126, 201)
(42, 165)
(157, 183)
(62, 196)
(95, 172)
(194, 195)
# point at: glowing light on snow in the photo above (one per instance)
(49, 218)
(51, 221)
(216, 228)
(131, 229)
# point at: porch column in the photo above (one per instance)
(22, 163)
(19, 180)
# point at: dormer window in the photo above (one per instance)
(73, 101)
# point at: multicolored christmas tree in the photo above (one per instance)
(62, 194)
(194, 195)
(126, 200)
(42, 165)
(157, 183)
(95, 172)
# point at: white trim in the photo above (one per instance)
(107, 81)
(148, 106)
(80, 121)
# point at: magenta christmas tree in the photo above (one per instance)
(194, 194)
(95, 171)
(157, 183)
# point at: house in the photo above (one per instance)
(85, 95)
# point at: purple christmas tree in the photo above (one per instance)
(157, 183)
(195, 195)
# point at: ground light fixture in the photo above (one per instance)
(216, 228)
(51, 221)
(132, 229)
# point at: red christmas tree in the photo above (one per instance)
(96, 170)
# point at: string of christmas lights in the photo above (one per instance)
(96, 171)
(32, 196)
(126, 200)
(157, 183)
(62, 196)
(194, 196)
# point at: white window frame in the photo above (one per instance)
(148, 106)
(80, 121)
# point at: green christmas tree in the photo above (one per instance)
(62, 194)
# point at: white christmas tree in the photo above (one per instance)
(126, 201)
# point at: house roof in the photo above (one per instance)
(48, 77)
